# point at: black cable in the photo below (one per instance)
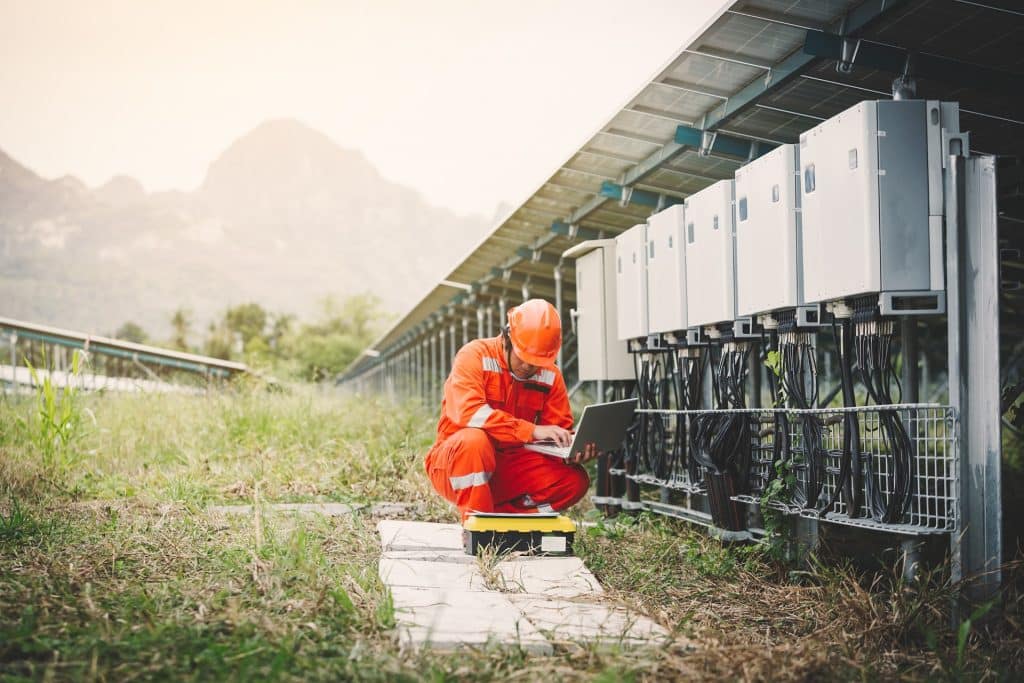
(721, 442)
(851, 472)
(888, 494)
(799, 371)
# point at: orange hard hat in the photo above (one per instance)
(535, 331)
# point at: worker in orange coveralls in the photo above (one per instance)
(503, 392)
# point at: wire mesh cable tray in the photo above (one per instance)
(930, 463)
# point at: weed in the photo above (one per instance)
(58, 417)
(17, 525)
(778, 528)
(488, 560)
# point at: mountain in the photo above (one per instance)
(283, 217)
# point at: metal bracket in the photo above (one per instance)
(707, 142)
(848, 55)
(627, 195)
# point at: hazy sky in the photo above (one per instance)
(470, 102)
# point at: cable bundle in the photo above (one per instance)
(851, 472)
(799, 373)
(658, 452)
(688, 374)
(721, 441)
(779, 428)
(873, 341)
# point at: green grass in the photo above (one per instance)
(111, 568)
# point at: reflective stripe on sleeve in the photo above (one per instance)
(468, 480)
(491, 364)
(480, 416)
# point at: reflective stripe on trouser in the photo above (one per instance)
(460, 468)
(466, 471)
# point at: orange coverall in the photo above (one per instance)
(478, 462)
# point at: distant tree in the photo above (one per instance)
(219, 341)
(280, 326)
(181, 322)
(248, 321)
(131, 332)
(326, 347)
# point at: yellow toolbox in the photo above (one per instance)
(541, 534)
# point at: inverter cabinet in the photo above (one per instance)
(871, 199)
(631, 282)
(710, 263)
(768, 250)
(666, 270)
(601, 356)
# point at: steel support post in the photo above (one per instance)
(421, 372)
(453, 346)
(502, 311)
(490, 320)
(441, 353)
(14, 360)
(558, 307)
(479, 322)
(432, 370)
(972, 275)
(465, 330)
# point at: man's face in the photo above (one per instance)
(520, 368)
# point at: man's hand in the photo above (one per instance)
(561, 437)
(589, 452)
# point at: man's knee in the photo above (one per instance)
(572, 484)
(577, 483)
(471, 440)
(468, 447)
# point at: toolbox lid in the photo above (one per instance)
(479, 521)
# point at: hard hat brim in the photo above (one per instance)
(535, 360)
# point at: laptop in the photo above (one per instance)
(604, 424)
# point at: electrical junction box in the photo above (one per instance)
(631, 282)
(872, 204)
(601, 356)
(768, 269)
(710, 258)
(666, 270)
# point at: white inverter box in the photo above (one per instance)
(631, 282)
(666, 270)
(871, 201)
(710, 273)
(601, 355)
(768, 265)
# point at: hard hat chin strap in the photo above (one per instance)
(508, 355)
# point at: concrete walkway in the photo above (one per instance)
(325, 509)
(444, 600)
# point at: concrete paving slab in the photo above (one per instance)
(418, 572)
(553, 577)
(565, 620)
(401, 535)
(453, 619)
(326, 509)
(442, 599)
